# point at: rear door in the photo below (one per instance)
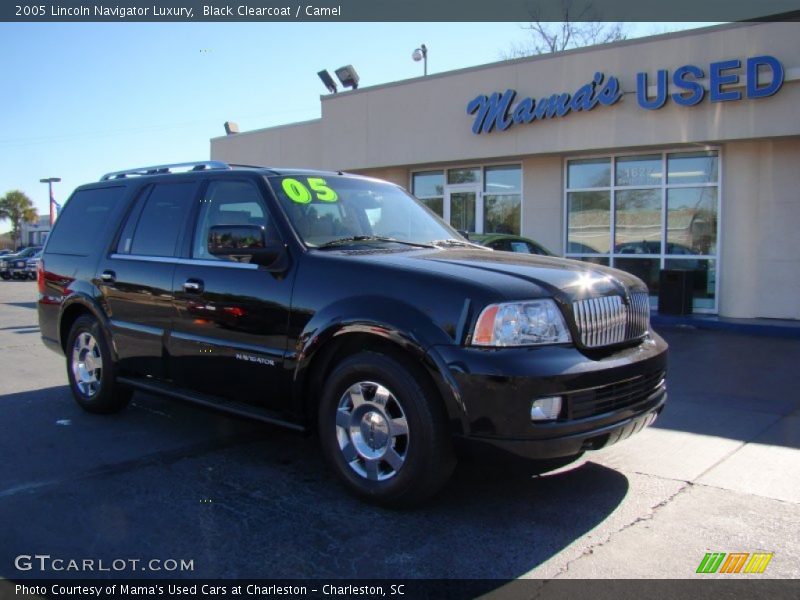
(136, 278)
(230, 334)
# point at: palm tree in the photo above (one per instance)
(17, 208)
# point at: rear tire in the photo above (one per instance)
(384, 432)
(91, 371)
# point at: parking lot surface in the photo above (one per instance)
(718, 472)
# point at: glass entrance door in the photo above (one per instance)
(461, 208)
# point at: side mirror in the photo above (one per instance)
(464, 234)
(244, 243)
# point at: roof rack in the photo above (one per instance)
(204, 165)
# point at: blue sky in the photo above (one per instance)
(83, 99)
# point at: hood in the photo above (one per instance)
(558, 277)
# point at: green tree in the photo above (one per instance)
(17, 208)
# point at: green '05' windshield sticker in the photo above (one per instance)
(299, 192)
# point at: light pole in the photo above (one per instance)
(421, 54)
(50, 181)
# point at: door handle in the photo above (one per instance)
(193, 286)
(108, 276)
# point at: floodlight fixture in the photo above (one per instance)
(348, 76)
(231, 128)
(328, 81)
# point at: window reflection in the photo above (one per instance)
(692, 167)
(455, 176)
(589, 222)
(589, 173)
(502, 213)
(638, 222)
(639, 170)
(692, 220)
(428, 183)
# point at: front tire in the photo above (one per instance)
(91, 371)
(384, 431)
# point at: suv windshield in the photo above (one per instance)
(331, 211)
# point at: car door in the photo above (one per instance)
(229, 337)
(135, 280)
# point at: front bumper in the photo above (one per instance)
(605, 399)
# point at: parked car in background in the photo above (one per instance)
(33, 265)
(14, 265)
(509, 243)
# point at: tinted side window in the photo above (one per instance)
(230, 203)
(85, 216)
(162, 219)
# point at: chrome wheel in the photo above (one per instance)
(87, 364)
(372, 431)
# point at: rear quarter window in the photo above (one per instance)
(85, 217)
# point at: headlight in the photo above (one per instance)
(528, 323)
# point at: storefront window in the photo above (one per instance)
(502, 199)
(455, 176)
(475, 199)
(462, 211)
(428, 186)
(591, 173)
(638, 222)
(588, 222)
(692, 220)
(692, 167)
(639, 170)
(502, 213)
(645, 239)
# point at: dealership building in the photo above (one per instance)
(677, 152)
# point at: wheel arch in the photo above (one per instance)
(72, 309)
(343, 340)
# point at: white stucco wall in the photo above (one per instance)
(760, 254)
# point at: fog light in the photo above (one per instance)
(546, 409)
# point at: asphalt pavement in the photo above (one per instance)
(718, 472)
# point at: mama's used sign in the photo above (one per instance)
(499, 111)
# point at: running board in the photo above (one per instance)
(229, 406)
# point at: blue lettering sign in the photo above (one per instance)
(494, 111)
(753, 64)
(718, 79)
(696, 90)
(661, 90)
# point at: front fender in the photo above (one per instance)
(402, 325)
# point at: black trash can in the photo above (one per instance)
(675, 292)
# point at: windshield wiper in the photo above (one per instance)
(454, 242)
(370, 238)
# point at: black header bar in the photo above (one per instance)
(400, 10)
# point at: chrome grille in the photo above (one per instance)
(607, 320)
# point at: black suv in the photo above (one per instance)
(338, 303)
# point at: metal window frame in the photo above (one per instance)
(480, 193)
